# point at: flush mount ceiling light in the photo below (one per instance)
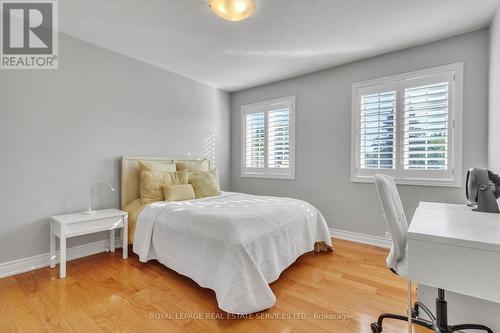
(232, 10)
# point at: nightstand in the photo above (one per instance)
(71, 225)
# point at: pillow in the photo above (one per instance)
(156, 166)
(214, 172)
(178, 192)
(194, 166)
(151, 189)
(205, 185)
(175, 178)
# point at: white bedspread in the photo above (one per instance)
(235, 244)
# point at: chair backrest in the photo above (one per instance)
(394, 216)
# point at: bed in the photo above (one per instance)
(235, 244)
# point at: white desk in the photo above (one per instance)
(454, 248)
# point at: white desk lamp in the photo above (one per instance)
(90, 211)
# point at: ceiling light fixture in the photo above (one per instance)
(232, 10)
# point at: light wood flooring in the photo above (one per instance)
(346, 289)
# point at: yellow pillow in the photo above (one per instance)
(151, 186)
(178, 192)
(214, 172)
(175, 178)
(205, 185)
(156, 166)
(194, 166)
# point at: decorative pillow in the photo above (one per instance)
(151, 186)
(175, 178)
(179, 192)
(156, 166)
(214, 172)
(205, 185)
(194, 166)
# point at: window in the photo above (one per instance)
(409, 126)
(268, 139)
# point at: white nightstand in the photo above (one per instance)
(71, 225)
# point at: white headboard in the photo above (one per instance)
(130, 177)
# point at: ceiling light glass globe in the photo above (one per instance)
(232, 10)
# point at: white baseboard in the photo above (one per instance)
(360, 238)
(43, 260)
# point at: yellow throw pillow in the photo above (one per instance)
(151, 186)
(214, 172)
(178, 192)
(156, 166)
(205, 185)
(175, 178)
(194, 166)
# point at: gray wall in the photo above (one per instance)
(494, 107)
(323, 132)
(60, 129)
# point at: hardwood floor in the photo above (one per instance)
(347, 289)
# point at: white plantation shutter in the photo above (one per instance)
(409, 126)
(268, 139)
(378, 130)
(255, 133)
(426, 127)
(279, 138)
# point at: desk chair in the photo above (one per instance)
(397, 261)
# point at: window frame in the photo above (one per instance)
(449, 178)
(266, 172)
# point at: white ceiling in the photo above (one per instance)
(284, 38)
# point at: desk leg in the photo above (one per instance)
(52, 247)
(409, 306)
(112, 240)
(125, 237)
(62, 256)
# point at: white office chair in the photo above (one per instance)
(397, 261)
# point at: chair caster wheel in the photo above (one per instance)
(375, 328)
